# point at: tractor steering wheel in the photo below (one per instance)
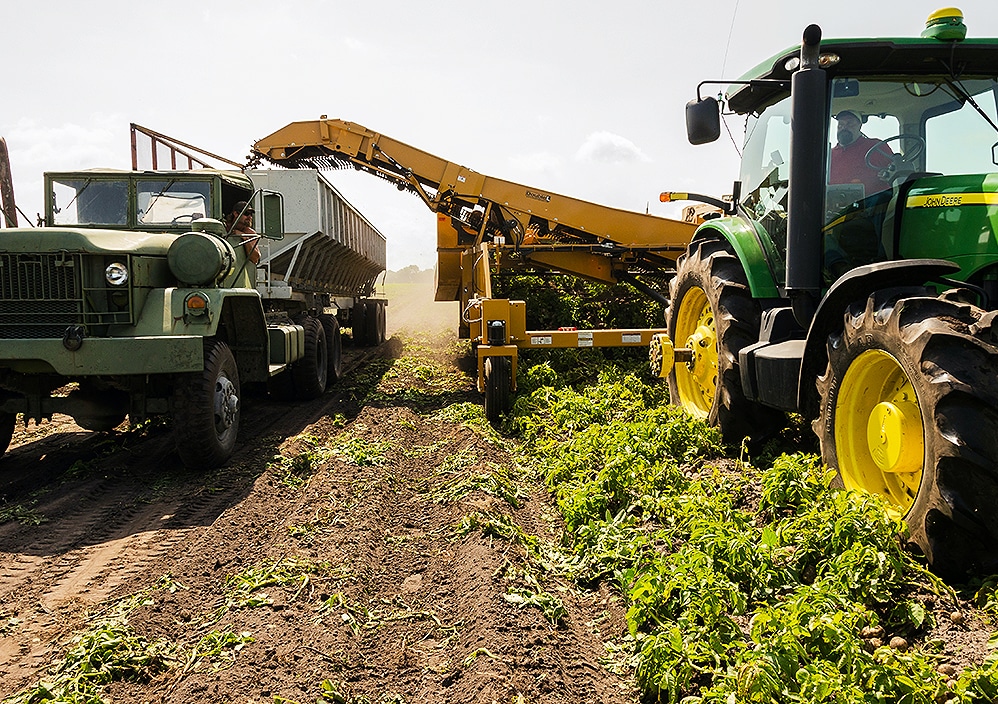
(896, 163)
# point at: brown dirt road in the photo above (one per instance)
(324, 563)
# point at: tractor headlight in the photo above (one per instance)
(116, 274)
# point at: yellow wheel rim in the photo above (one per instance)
(878, 430)
(696, 381)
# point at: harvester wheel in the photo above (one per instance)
(713, 313)
(205, 408)
(7, 423)
(498, 388)
(334, 348)
(311, 371)
(909, 411)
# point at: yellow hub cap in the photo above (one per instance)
(878, 430)
(696, 381)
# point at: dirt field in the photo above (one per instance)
(341, 556)
(324, 563)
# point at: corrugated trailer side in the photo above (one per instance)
(329, 247)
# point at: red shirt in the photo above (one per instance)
(849, 164)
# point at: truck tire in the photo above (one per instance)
(205, 408)
(358, 323)
(374, 332)
(334, 348)
(498, 388)
(310, 373)
(712, 312)
(909, 411)
(7, 423)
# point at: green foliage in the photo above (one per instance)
(109, 652)
(743, 584)
(244, 587)
(361, 452)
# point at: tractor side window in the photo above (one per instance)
(958, 139)
(766, 170)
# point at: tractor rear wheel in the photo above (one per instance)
(713, 313)
(909, 411)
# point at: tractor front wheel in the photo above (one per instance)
(909, 411)
(712, 312)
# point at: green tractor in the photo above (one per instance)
(853, 277)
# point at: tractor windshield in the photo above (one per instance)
(883, 133)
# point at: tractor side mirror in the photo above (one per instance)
(703, 120)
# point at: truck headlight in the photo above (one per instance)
(116, 274)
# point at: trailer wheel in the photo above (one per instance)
(909, 411)
(713, 313)
(7, 423)
(498, 388)
(334, 348)
(205, 408)
(374, 333)
(358, 323)
(311, 371)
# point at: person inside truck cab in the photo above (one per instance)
(849, 162)
(239, 221)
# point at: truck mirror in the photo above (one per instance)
(994, 153)
(703, 120)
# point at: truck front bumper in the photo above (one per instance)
(106, 356)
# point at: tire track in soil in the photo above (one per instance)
(103, 532)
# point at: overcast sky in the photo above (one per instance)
(583, 98)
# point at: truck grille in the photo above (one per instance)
(43, 294)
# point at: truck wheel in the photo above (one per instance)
(713, 313)
(205, 409)
(498, 387)
(375, 328)
(358, 321)
(909, 411)
(7, 423)
(334, 348)
(311, 371)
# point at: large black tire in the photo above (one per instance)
(311, 371)
(908, 411)
(205, 408)
(358, 322)
(334, 348)
(7, 423)
(712, 312)
(374, 332)
(498, 388)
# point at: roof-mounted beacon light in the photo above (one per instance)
(945, 25)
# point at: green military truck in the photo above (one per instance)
(133, 301)
(864, 301)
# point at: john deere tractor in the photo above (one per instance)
(859, 291)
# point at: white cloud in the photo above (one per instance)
(610, 148)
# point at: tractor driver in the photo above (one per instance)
(239, 221)
(849, 162)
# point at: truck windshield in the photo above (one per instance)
(89, 201)
(171, 202)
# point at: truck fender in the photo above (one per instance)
(243, 326)
(857, 284)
